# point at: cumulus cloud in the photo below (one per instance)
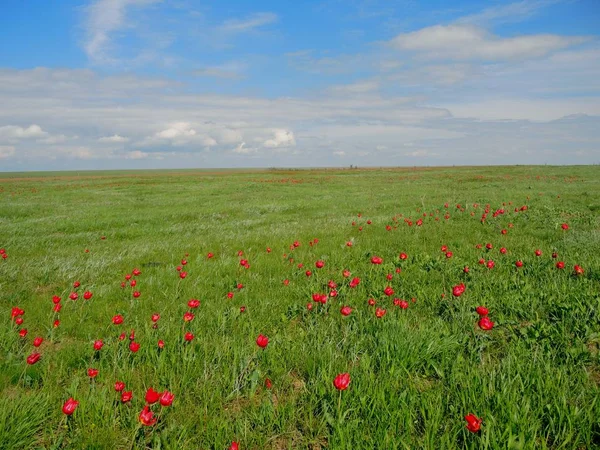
(115, 139)
(13, 132)
(281, 138)
(463, 41)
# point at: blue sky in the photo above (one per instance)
(182, 83)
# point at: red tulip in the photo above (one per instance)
(403, 304)
(147, 417)
(161, 343)
(137, 272)
(458, 290)
(371, 302)
(538, 252)
(92, 372)
(403, 256)
(189, 337)
(345, 273)
(182, 274)
(268, 249)
(119, 386)
(489, 246)
(70, 406)
(136, 294)
(309, 306)
(188, 317)
(319, 264)
(57, 307)
(55, 299)
(234, 446)
(209, 255)
(262, 341)
(126, 396)
(242, 309)
(332, 284)
(519, 263)
(19, 320)
(118, 319)
(473, 423)
(76, 284)
(376, 260)
(33, 358)
(23, 332)
(490, 264)
(485, 323)
(504, 231)
(87, 295)
(56, 323)
(389, 277)
(134, 347)
(193, 303)
(308, 273)
(379, 313)
(128, 277)
(578, 270)
(564, 226)
(349, 244)
(152, 396)
(73, 296)
(230, 295)
(38, 341)
(503, 250)
(166, 398)
(183, 262)
(482, 310)
(122, 336)
(133, 283)
(388, 291)
(240, 286)
(444, 248)
(155, 317)
(346, 310)
(449, 255)
(560, 265)
(342, 381)
(286, 282)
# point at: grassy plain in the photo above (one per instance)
(415, 373)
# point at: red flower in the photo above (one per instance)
(268, 383)
(152, 396)
(55, 299)
(56, 323)
(33, 358)
(473, 423)
(308, 273)
(342, 381)
(444, 248)
(137, 272)
(564, 226)
(161, 343)
(209, 255)
(76, 284)
(466, 269)
(73, 296)
(166, 398)
(188, 317)
(403, 256)
(349, 244)
(87, 295)
(16, 312)
(147, 417)
(262, 341)
(70, 406)
(503, 250)
(92, 372)
(578, 270)
(560, 265)
(119, 386)
(234, 446)
(189, 337)
(136, 294)
(230, 295)
(309, 306)
(23, 332)
(379, 312)
(490, 264)
(38, 341)
(19, 320)
(489, 246)
(242, 309)
(482, 310)
(346, 310)
(485, 323)
(376, 260)
(458, 290)
(371, 302)
(389, 276)
(403, 304)
(126, 396)
(388, 291)
(193, 303)
(57, 307)
(155, 317)
(118, 319)
(449, 255)
(98, 344)
(134, 347)
(345, 273)
(319, 264)
(538, 252)
(182, 274)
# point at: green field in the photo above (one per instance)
(415, 373)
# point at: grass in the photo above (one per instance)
(415, 373)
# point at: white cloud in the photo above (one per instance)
(471, 42)
(105, 17)
(136, 154)
(359, 87)
(252, 22)
(6, 151)
(507, 12)
(13, 132)
(177, 130)
(281, 138)
(115, 138)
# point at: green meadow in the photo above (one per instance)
(415, 373)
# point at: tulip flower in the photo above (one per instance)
(70, 406)
(134, 347)
(485, 323)
(346, 310)
(147, 417)
(33, 358)
(482, 311)
(379, 313)
(98, 345)
(38, 341)
(473, 423)
(342, 381)
(262, 341)
(118, 319)
(458, 290)
(119, 386)
(92, 373)
(189, 337)
(166, 398)
(126, 396)
(152, 396)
